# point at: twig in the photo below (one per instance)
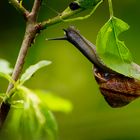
(60, 18)
(19, 7)
(30, 33)
(29, 36)
(35, 9)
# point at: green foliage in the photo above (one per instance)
(112, 51)
(6, 70)
(54, 102)
(2, 96)
(84, 5)
(29, 116)
(29, 119)
(21, 1)
(5, 67)
(92, 116)
(32, 69)
(7, 77)
(87, 3)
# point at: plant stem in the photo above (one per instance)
(19, 7)
(35, 9)
(29, 36)
(30, 33)
(60, 18)
(63, 17)
(110, 8)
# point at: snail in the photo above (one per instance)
(117, 89)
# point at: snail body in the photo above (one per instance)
(117, 89)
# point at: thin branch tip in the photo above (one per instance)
(19, 7)
(35, 9)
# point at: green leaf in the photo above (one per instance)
(2, 96)
(5, 70)
(87, 3)
(17, 104)
(29, 118)
(5, 66)
(7, 77)
(82, 5)
(21, 1)
(53, 102)
(32, 69)
(112, 51)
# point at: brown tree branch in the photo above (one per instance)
(35, 9)
(30, 33)
(29, 36)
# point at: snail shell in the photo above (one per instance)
(118, 90)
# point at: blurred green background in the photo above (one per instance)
(70, 75)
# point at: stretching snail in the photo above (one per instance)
(117, 89)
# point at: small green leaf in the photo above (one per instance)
(5, 66)
(2, 96)
(82, 5)
(17, 104)
(112, 51)
(7, 77)
(5, 70)
(87, 3)
(53, 102)
(21, 1)
(32, 69)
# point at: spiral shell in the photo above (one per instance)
(118, 90)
